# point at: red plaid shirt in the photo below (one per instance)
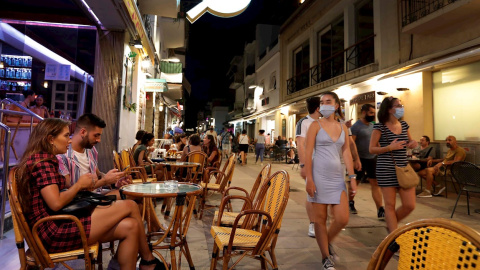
(57, 236)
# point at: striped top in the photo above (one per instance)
(386, 175)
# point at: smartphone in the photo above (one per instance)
(127, 167)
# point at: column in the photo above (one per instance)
(107, 92)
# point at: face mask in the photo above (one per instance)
(369, 118)
(327, 110)
(398, 113)
(449, 145)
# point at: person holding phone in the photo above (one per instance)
(81, 157)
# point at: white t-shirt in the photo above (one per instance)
(303, 125)
(83, 163)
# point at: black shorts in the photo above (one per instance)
(243, 148)
(369, 166)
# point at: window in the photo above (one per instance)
(331, 46)
(273, 81)
(456, 93)
(363, 52)
(301, 65)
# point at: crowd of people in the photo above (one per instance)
(333, 155)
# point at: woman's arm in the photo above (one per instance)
(375, 147)
(309, 146)
(140, 158)
(212, 156)
(411, 142)
(56, 200)
(347, 158)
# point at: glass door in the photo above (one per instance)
(65, 98)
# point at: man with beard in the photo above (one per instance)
(81, 157)
(455, 153)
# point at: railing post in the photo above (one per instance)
(6, 157)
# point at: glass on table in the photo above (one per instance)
(171, 184)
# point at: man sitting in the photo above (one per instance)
(426, 151)
(81, 156)
(454, 154)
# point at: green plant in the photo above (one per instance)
(132, 107)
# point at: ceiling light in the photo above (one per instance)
(403, 89)
(45, 84)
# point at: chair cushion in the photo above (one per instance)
(228, 218)
(211, 185)
(65, 256)
(243, 238)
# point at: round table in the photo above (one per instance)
(175, 233)
(168, 173)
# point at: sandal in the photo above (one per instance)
(158, 264)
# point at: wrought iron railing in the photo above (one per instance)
(148, 26)
(413, 10)
(358, 55)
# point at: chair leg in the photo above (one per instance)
(468, 203)
(456, 202)
(263, 264)
(274, 258)
(226, 259)
(215, 253)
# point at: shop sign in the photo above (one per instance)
(363, 98)
(220, 8)
(156, 85)
(57, 72)
(137, 21)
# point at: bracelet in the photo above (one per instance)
(352, 176)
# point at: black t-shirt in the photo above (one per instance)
(281, 143)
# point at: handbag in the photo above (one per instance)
(406, 176)
(84, 203)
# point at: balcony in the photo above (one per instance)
(423, 16)
(358, 55)
(250, 70)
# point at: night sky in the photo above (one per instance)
(214, 41)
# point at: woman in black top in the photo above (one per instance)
(390, 139)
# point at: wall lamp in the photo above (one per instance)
(252, 86)
(136, 43)
(403, 89)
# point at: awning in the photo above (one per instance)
(156, 85)
(434, 62)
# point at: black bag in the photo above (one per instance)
(84, 203)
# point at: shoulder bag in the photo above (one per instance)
(406, 176)
(84, 203)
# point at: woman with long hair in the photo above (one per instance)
(141, 156)
(325, 174)
(40, 188)
(260, 146)
(210, 149)
(180, 142)
(390, 139)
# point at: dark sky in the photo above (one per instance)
(214, 41)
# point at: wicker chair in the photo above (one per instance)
(195, 175)
(468, 177)
(37, 255)
(259, 231)
(430, 244)
(228, 218)
(127, 163)
(223, 180)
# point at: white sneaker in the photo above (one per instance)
(311, 230)
(333, 255)
(425, 194)
(442, 189)
(328, 264)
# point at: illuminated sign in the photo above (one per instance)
(220, 8)
(156, 85)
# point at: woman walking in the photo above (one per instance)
(325, 174)
(390, 139)
(243, 141)
(260, 146)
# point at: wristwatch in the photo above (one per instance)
(302, 165)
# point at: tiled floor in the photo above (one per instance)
(295, 250)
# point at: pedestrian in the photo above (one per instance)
(361, 134)
(325, 174)
(212, 132)
(390, 139)
(39, 108)
(260, 146)
(226, 139)
(313, 107)
(243, 142)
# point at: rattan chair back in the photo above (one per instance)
(226, 180)
(261, 181)
(197, 157)
(37, 255)
(430, 244)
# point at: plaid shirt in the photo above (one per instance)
(57, 236)
(69, 163)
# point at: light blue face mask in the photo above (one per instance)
(399, 113)
(327, 110)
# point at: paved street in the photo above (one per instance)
(295, 250)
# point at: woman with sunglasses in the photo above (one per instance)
(390, 139)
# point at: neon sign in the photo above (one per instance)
(220, 8)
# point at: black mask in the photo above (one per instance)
(369, 118)
(449, 145)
